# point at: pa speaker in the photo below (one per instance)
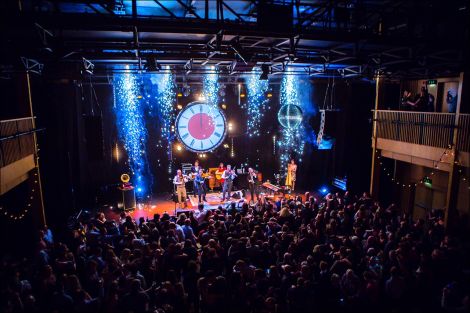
(94, 137)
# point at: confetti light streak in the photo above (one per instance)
(129, 111)
(257, 102)
(291, 143)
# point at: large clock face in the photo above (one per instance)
(201, 127)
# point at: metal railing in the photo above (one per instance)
(423, 128)
(16, 140)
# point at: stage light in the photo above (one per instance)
(180, 94)
(324, 190)
(269, 95)
(230, 127)
(151, 65)
(242, 95)
(201, 97)
(226, 145)
(178, 147)
(224, 106)
(179, 107)
(186, 90)
(265, 69)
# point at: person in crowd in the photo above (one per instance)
(341, 253)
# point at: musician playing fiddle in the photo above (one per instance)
(179, 181)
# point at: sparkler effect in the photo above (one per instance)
(210, 87)
(292, 142)
(129, 110)
(257, 102)
(165, 111)
(166, 100)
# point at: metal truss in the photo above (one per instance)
(192, 37)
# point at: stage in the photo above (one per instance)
(163, 203)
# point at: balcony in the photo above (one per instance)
(16, 152)
(421, 138)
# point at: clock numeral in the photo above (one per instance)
(219, 125)
(200, 108)
(211, 141)
(185, 136)
(182, 126)
(191, 109)
(185, 117)
(192, 142)
(202, 145)
(217, 134)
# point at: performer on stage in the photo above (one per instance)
(195, 168)
(291, 174)
(228, 176)
(180, 180)
(199, 186)
(218, 173)
(253, 184)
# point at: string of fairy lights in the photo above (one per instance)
(18, 214)
(431, 172)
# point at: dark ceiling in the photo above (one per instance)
(316, 37)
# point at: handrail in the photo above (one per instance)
(17, 119)
(424, 128)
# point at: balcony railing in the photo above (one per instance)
(423, 128)
(16, 140)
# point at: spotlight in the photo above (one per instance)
(324, 190)
(88, 66)
(224, 106)
(265, 71)
(179, 107)
(178, 147)
(152, 65)
(226, 146)
(201, 97)
(230, 126)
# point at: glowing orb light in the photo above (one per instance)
(290, 116)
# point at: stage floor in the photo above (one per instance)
(163, 203)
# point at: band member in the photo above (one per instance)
(180, 180)
(218, 173)
(253, 184)
(228, 176)
(291, 174)
(195, 169)
(199, 186)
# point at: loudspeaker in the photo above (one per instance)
(93, 137)
(275, 17)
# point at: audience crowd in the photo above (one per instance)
(340, 253)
